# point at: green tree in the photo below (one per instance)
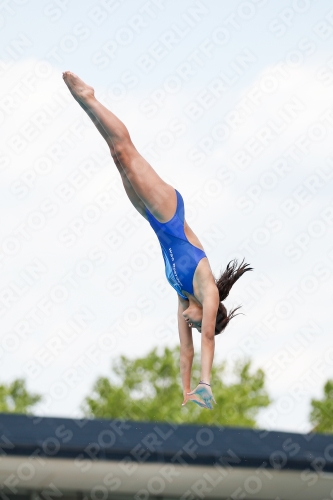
(14, 398)
(149, 388)
(321, 415)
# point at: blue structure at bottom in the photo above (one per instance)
(121, 459)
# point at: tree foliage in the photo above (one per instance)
(14, 398)
(321, 415)
(149, 389)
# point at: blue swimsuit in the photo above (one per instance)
(180, 256)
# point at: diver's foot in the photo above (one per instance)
(81, 92)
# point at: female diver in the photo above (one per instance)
(187, 268)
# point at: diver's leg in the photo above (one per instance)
(157, 195)
(130, 191)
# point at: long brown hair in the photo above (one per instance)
(232, 273)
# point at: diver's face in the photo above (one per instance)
(193, 317)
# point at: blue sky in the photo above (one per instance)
(231, 102)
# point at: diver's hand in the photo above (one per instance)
(205, 395)
(193, 397)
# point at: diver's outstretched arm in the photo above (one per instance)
(186, 357)
(186, 350)
(209, 310)
(210, 307)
